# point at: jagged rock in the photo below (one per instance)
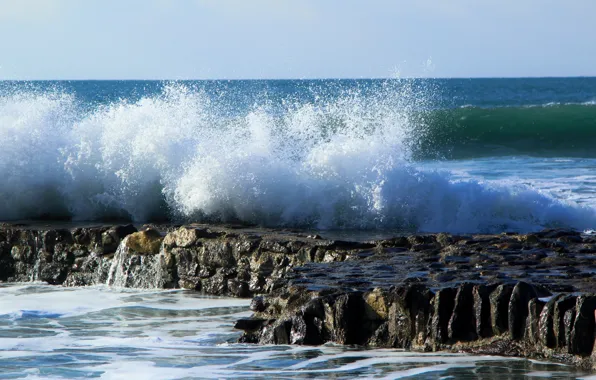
(482, 314)
(347, 316)
(376, 293)
(518, 309)
(535, 307)
(418, 301)
(582, 335)
(250, 324)
(499, 308)
(562, 305)
(462, 324)
(144, 242)
(376, 302)
(399, 327)
(111, 238)
(443, 304)
(568, 321)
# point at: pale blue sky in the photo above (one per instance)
(207, 39)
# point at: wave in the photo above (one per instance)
(550, 130)
(339, 163)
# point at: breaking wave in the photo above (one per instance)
(333, 162)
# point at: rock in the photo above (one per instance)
(376, 302)
(348, 318)
(535, 307)
(518, 312)
(145, 242)
(582, 334)
(373, 293)
(562, 306)
(499, 308)
(250, 324)
(111, 238)
(551, 329)
(258, 304)
(462, 325)
(443, 304)
(398, 331)
(482, 310)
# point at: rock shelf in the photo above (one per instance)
(530, 295)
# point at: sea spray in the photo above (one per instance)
(329, 162)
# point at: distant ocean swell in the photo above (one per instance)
(550, 130)
(344, 163)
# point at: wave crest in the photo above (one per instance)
(339, 162)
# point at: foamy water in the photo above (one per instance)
(333, 162)
(99, 332)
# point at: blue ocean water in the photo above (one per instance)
(456, 155)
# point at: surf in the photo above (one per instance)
(340, 161)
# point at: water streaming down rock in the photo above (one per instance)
(138, 261)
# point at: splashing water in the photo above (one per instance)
(340, 159)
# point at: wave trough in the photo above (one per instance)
(344, 162)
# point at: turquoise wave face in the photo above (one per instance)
(544, 131)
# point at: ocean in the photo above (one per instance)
(350, 157)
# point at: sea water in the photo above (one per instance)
(356, 157)
(49, 332)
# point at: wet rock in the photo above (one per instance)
(443, 304)
(145, 242)
(551, 328)
(499, 308)
(111, 238)
(535, 307)
(485, 299)
(258, 304)
(562, 306)
(348, 319)
(250, 324)
(518, 309)
(462, 325)
(418, 300)
(376, 305)
(582, 335)
(482, 307)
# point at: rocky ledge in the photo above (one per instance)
(530, 295)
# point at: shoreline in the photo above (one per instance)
(528, 295)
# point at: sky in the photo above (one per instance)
(252, 39)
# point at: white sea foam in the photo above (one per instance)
(111, 333)
(341, 163)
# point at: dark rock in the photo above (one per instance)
(111, 238)
(582, 334)
(562, 305)
(462, 325)
(535, 307)
(250, 324)
(348, 318)
(258, 304)
(518, 309)
(442, 303)
(499, 308)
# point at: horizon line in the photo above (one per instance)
(293, 79)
